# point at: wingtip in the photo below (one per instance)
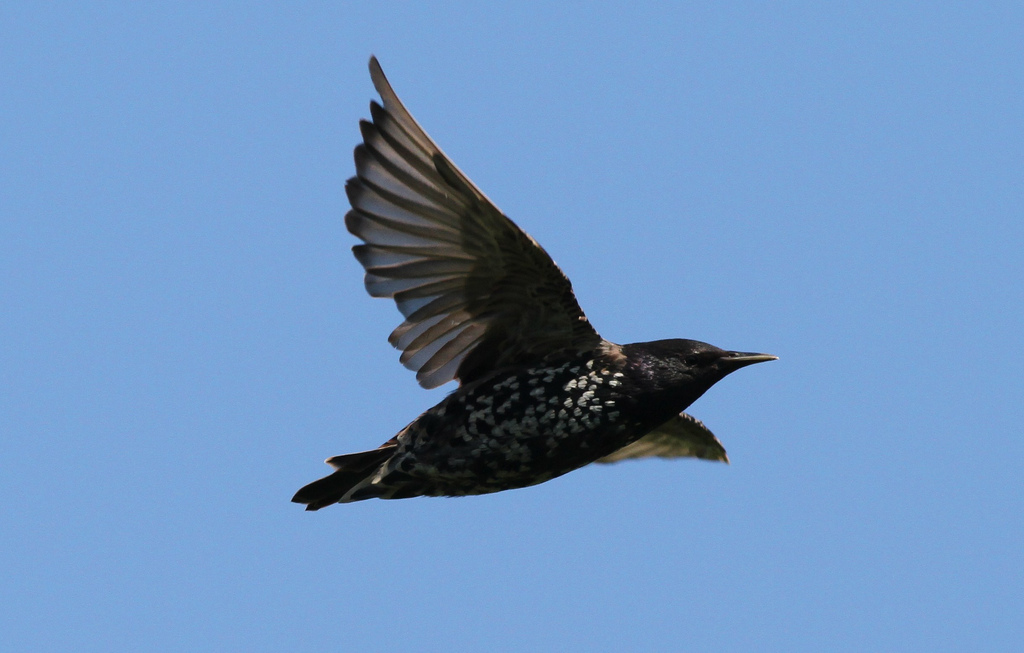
(380, 82)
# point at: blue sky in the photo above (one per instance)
(184, 334)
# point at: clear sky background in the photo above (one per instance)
(184, 335)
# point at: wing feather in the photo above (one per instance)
(683, 436)
(476, 291)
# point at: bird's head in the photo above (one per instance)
(690, 364)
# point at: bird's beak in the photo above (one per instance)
(738, 359)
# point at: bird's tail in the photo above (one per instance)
(352, 468)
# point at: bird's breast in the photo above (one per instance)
(525, 424)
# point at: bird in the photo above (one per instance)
(540, 393)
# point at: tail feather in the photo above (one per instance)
(352, 468)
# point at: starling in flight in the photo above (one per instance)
(540, 392)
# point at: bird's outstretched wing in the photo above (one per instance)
(476, 291)
(683, 436)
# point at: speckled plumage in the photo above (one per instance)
(540, 392)
(517, 428)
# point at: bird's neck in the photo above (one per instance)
(660, 392)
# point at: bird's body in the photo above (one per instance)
(541, 393)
